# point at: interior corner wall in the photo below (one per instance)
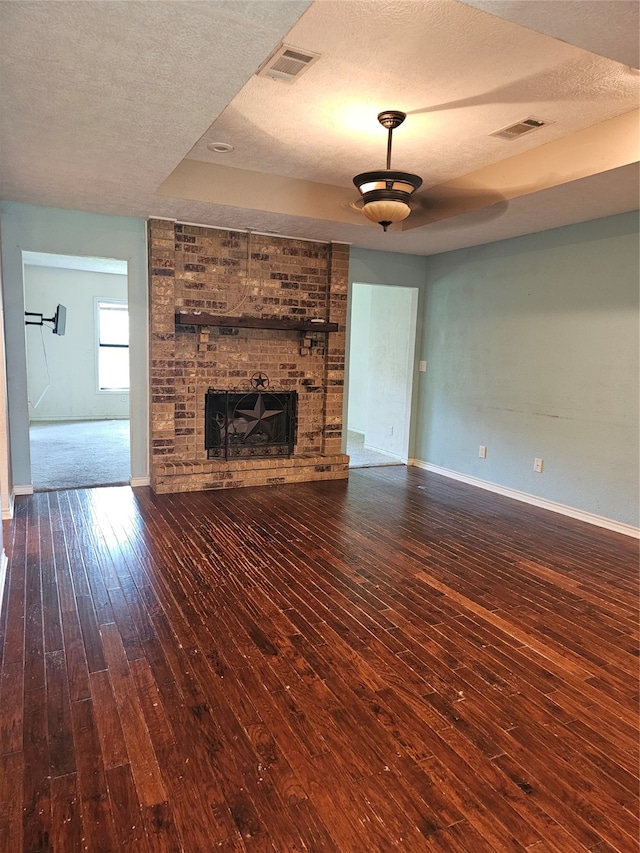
(71, 232)
(532, 349)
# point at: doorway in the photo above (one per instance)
(78, 371)
(381, 367)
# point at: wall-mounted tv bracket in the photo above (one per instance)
(39, 322)
(59, 320)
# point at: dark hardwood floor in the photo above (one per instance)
(400, 663)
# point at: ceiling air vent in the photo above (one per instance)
(287, 63)
(515, 131)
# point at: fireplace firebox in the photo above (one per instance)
(257, 423)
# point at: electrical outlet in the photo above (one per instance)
(482, 453)
(422, 366)
(537, 466)
(390, 431)
(124, 398)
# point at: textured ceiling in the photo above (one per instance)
(584, 23)
(109, 106)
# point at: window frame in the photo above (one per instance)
(98, 302)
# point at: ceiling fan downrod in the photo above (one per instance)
(391, 119)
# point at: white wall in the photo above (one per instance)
(392, 270)
(62, 370)
(359, 357)
(532, 350)
(391, 356)
(381, 365)
(70, 232)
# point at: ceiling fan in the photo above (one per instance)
(386, 193)
(389, 196)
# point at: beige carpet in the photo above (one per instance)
(360, 457)
(79, 454)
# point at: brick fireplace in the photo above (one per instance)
(231, 312)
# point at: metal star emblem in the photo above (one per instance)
(258, 417)
(260, 380)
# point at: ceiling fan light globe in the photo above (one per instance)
(386, 211)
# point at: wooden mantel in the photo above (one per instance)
(296, 324)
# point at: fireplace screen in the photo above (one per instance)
(250, 424)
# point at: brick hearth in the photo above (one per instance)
(196, 269)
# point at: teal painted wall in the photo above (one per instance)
(71, 232)
(531, 347)
(391, 268)
(532, 350)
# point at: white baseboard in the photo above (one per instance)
(384, 452)
(525, 497)
(139, 481)
(7, 511)
(65, 419)
(28, 490)
(22, 490)
(3, 574)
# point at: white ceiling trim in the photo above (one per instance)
(113, 266)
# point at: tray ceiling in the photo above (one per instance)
(110, 107)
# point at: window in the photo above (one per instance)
(113, 345)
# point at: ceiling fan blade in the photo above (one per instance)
(453, 203)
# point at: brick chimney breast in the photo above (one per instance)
(250, 277)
